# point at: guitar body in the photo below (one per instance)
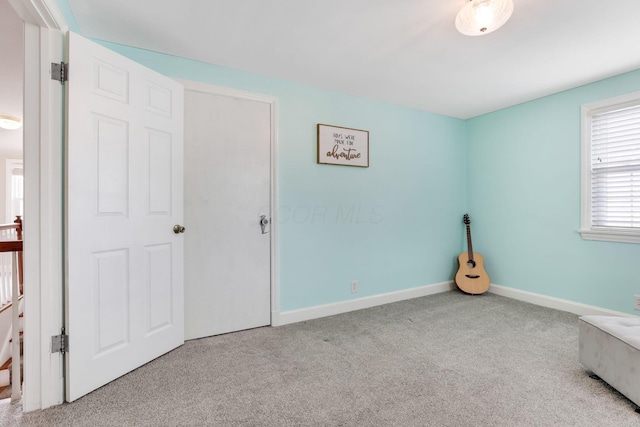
(469, 278)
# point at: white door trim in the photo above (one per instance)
(43, 141)
(43, 13)
(274, 234)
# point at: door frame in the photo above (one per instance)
(43, 139)
(274, 231)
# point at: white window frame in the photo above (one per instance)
(11, 164)
(587, 230)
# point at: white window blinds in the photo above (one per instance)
(615, 168)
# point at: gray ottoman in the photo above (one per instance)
(610, 348)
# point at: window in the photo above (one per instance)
(15, 190)
(611, 169)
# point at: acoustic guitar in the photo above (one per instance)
(471, 277)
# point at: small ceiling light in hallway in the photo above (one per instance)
(10, 122)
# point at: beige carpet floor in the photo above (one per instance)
(443, 360)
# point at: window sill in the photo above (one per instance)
(608, 235)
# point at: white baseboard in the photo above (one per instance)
(300, 315)
(316, 312)
(552, 302)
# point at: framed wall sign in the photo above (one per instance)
(343, 146)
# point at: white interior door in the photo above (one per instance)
(227, 190)
(125, 293)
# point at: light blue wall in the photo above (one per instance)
(524, 194)
(392, 226)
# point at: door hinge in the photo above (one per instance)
(60, 72)
(60, 343)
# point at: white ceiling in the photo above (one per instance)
(405, 52)
(11, 52)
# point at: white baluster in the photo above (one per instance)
(16, 381)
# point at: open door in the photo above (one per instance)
(124, 291)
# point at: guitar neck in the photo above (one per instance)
(469, 245)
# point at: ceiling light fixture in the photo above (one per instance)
(481, 17)
(10, 122)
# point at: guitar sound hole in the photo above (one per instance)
(471, 264)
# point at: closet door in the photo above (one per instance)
(227, 195)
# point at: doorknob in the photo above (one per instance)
(178, 229)
(263, 223)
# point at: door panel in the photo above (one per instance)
(125, 292)
(227, 189)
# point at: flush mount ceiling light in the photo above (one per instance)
(481, 17)
(10, 122)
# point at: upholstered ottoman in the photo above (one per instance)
(610, 348)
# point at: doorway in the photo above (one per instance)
(11, 195)
(42, 136)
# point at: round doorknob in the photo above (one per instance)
(178, 229)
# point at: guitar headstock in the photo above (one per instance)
(466, 219)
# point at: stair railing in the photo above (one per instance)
(13, 248)
(8, 233)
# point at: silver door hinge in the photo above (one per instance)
(60, 72)
(60, 343)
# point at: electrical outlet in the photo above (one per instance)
(354, 286)
(636, 302)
